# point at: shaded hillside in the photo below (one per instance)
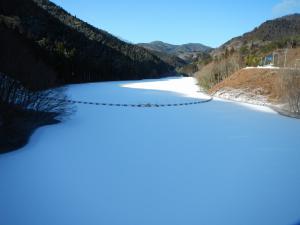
(52, 47)
(171, 60)
(158, 46)
(201, 61)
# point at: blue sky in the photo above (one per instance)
(211, 22)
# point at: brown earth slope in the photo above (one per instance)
(268, 83)
(293, 58)
(262, 81)
(258, 81)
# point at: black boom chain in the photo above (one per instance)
(147, 105)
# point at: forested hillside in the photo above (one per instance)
(251, 49)
(43, 45)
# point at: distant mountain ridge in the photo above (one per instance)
(63, 49)
(188, 52)
(175, 49)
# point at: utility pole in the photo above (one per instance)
(296, 64)
(274, 55)
(285, 55)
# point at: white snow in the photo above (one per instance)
(185, 86)
(249, 96)
(268, 67)
(213, 164)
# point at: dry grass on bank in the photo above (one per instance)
(280, 86)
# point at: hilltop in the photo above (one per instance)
(270, 35)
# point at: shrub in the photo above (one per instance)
(252, 60)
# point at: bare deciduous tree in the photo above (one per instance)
(23, 110)
(289, 83)
(47, 104)
(218, 71)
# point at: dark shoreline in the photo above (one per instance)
(16, 133)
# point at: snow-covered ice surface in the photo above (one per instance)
(209, 164)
